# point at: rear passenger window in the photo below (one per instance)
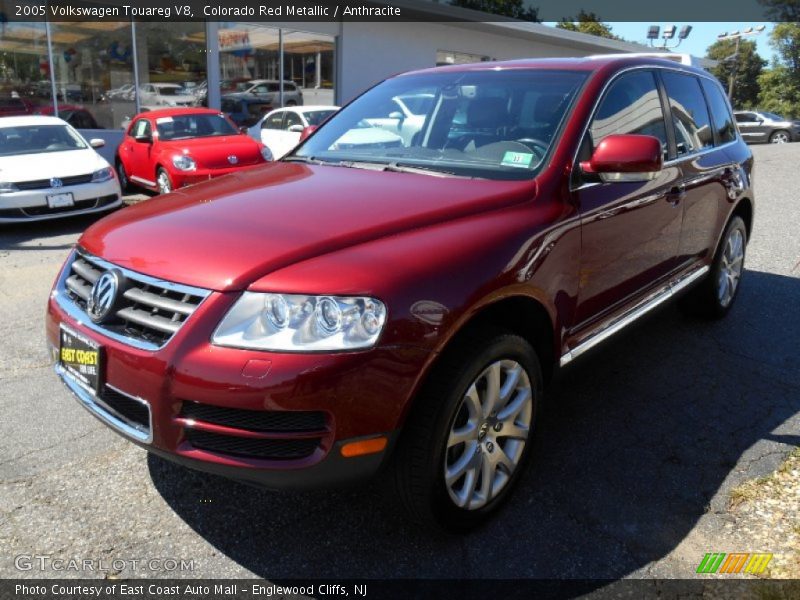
(720, 113)
(631, 105)
(689, 113)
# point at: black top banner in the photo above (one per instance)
(401, 11)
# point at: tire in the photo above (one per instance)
(442, 414)
(780, 137)
(163, 182)
(715, 296)
(122, 175)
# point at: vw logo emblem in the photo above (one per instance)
(103, 296)
(55, 182)
(233, 159)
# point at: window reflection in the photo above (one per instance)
(93, 69)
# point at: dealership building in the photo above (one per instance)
(100, 74)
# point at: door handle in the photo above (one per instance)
(676, 194)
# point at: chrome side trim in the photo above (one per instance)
(142, 180)
(105, 413)
(645, 306)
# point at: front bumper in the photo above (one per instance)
(184, 178)
(32, 205)
(360, 395)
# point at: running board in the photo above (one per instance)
(641, 309)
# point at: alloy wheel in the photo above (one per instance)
(164, 185)
(730, 271)
(488, 436)
(781, 137)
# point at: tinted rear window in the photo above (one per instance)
(690, 117)
(721, 114)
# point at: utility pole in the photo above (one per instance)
(737, 35)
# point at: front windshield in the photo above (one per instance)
(168, 91)
(183, 127)
(774, 117)
(496, 124)
(36, 139)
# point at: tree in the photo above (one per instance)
(515, 9)
(748, 65)
(588, 22)
(779, 94)
(780, 85)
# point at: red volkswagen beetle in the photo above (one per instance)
(167, 149)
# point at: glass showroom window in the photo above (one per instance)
(250, 64)
(171, 65)
(24, 69)
(93, 70)
(309, 64)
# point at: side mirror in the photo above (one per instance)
(97, 143)
(296, 128)
(307, 132)
(626, 157)
(144, 139)
(397, 115)
(243, 129)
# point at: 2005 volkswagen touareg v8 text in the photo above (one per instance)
(377, 299)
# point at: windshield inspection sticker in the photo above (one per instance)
(162, 120)
(517, 159)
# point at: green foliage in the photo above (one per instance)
(780, 92)
(749, 66)
(780, 85)
(588, 22)
(508, 8)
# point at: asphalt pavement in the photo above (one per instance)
(639, 446)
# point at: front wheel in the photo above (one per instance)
(780, 137)
(469, 436)
(122, 175)
(163, 181)
(714, 297)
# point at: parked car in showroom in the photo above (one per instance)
(269, 90)
(352, 307)
(762, 126)
(165, 94)
(48, 170)
(280, 130)
(76, 115)
(167, 149)
(245, 111)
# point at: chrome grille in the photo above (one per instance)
(149, 312)
(42, 184)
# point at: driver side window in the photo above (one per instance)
(632, 105)
(141, 128)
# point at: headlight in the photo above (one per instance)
(267, 154)
(293, 323)
(103, 175)
(6, 188)
(184, 163)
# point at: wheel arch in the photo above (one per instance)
(744, 209)
(520, 314)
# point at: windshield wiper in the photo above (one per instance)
(396, 167)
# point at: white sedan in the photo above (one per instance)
(280, 129)
(48, 170)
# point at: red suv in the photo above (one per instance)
(167, 149)
(366, 303)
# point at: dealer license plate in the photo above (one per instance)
(81, 358)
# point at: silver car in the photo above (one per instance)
(269, 90)
(762, 126)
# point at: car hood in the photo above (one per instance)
(213, 152)
(28, 167)
(228, 232)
